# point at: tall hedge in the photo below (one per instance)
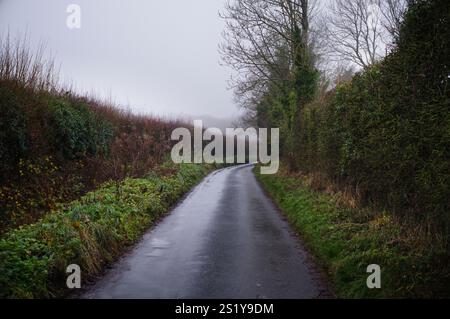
(387, 132)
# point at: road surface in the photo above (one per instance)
(224, 240)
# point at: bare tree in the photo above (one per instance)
(343, 73)
(393, 12)
(355, 32)
(263, 39)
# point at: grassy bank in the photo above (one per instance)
(90, 232)
(346, 240)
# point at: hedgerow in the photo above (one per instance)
(385, 134)
(56, 146)
(77, 130)
(13, 134)
(90, 232)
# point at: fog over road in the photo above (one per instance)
(224, 240)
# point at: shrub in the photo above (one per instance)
(346, 240)
(77, 131)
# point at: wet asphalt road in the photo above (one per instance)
(225, 240)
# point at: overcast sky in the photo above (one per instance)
(154, 56)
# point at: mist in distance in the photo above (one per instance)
(153, 57)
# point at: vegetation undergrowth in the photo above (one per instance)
(57, 144)
(90, 232)
(346, 240)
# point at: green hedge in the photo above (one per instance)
(33, 125)
(77, 130)
(89, 232)
(386, 134)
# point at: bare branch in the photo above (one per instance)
(261, 42)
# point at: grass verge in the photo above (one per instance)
(90, 232)
(346, 240)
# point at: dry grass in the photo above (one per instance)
(26, 68)
(424, 235)
(413, 257)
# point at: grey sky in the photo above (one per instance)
(154, 56)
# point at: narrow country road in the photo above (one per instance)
(225, 240)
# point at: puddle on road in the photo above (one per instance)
(159, 243)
